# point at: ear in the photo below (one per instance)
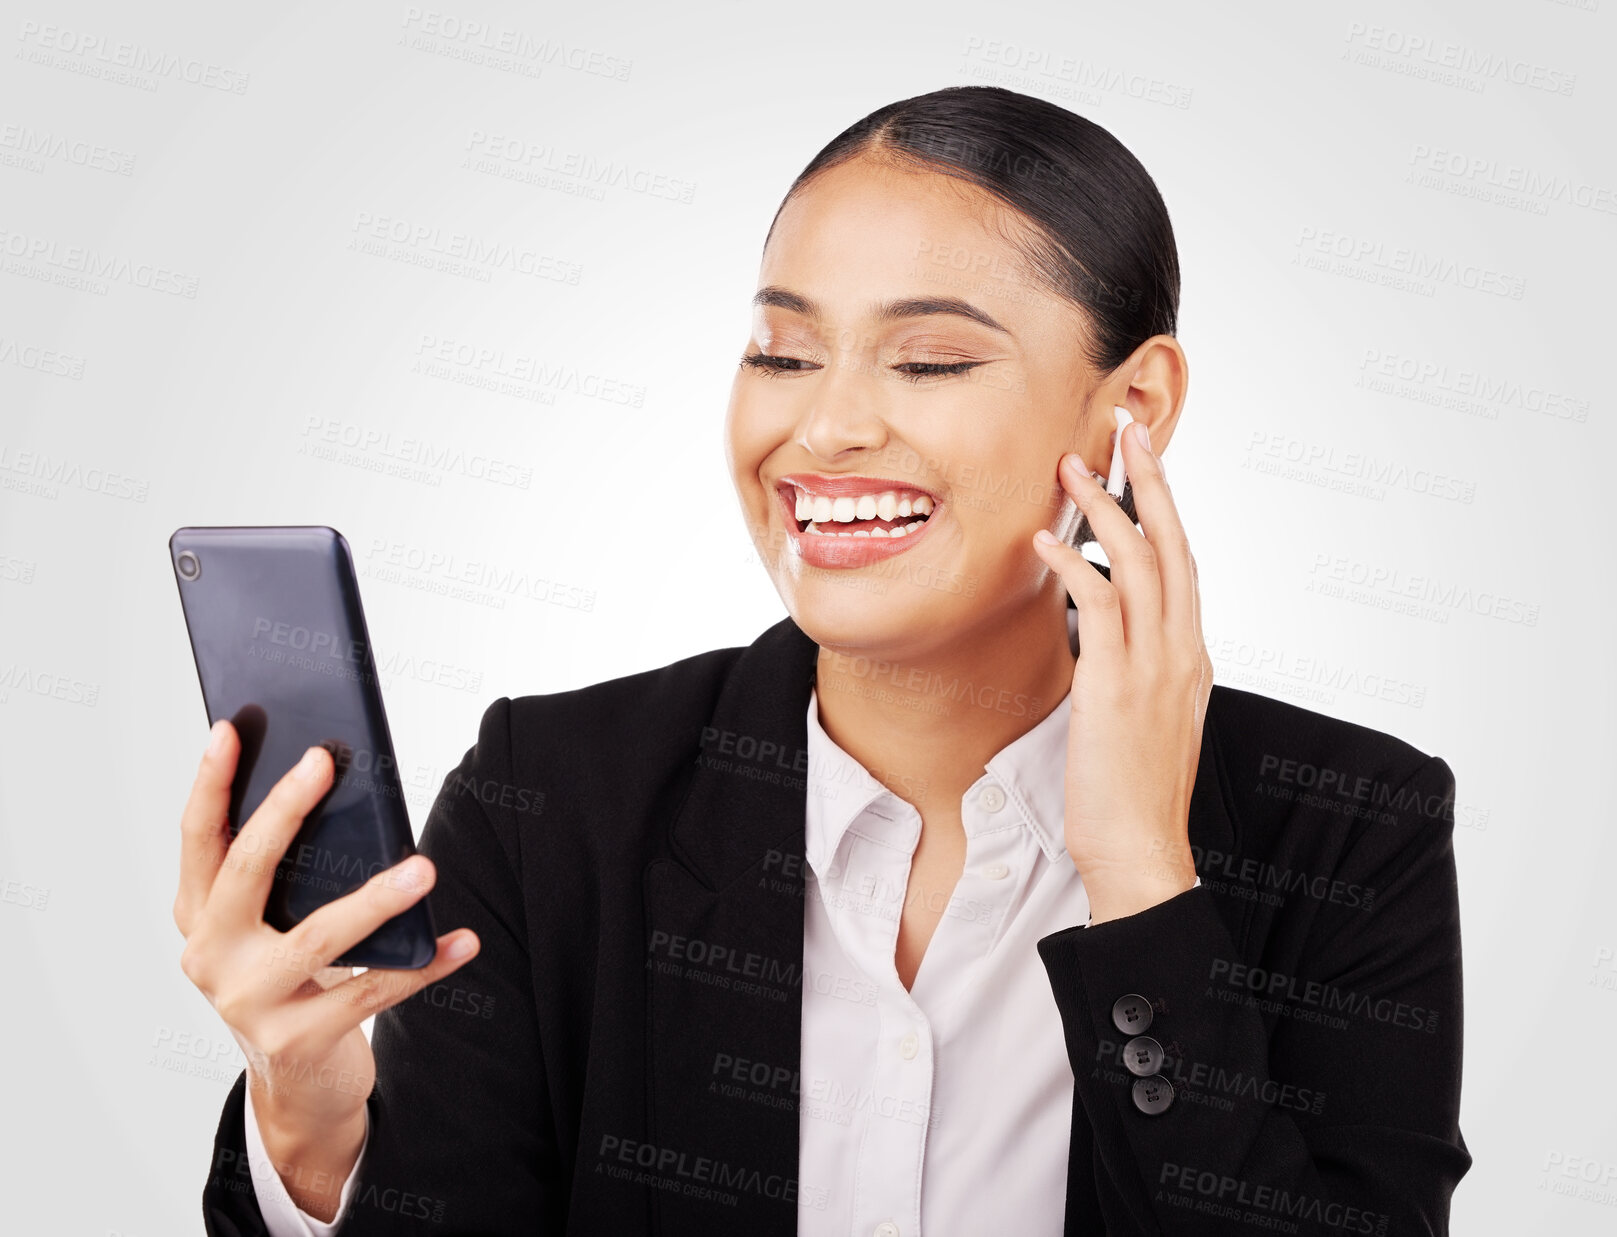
(1151, 384)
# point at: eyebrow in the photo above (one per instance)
(887, 311)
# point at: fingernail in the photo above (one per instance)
(309, 766)
(461, 947)
(1142, 435)
(1077, 462)
(1045, 537)
(216, 737)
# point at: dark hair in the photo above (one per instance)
(1101, 235)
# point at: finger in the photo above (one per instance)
(204, 824)
(1159, 518)
(345, 1006)
(1131, 558)
(1100, 619)
(330, 931)
(242, 887)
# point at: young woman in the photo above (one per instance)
(949, 905)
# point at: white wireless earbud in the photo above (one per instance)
(1070, 522)
(1116, 478)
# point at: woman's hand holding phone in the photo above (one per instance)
(1139, 689)
(297, 1018)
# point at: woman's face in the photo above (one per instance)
(870, 393)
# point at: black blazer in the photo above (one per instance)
(621, 1057)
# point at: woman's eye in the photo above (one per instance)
(769, 366)
(915, 371)
(910, 371)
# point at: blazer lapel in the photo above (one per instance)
(724, 920)
(724, 956)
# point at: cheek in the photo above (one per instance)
(741, 436)
(1005, 479)
(750, 438)
(1017, 446)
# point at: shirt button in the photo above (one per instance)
(885, 1229)
(992, 798)
(996, 871)
(907, 1048)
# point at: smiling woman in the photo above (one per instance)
(961, 900)
(947, 289)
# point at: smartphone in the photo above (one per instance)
(282, 651)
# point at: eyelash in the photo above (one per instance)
(771, 367)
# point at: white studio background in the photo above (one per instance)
(1397, 229)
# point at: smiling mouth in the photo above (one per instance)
(885, 514)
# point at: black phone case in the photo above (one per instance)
(1072, 526)
(282, 650)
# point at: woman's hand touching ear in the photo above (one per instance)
(1139, 690)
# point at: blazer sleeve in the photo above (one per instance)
(1367, 1030)
(461, 1139)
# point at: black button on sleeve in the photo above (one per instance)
(1152, 1095)
(1143, 1056)
(1131, 1014)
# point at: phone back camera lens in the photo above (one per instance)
(190, 569)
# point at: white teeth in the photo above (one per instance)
(884, 506)
(821, 510)
(903, 530)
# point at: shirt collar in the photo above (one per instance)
(1031, 769)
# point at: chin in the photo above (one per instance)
(870, 613)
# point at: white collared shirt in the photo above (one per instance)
(948, 1105)
(946, 1108)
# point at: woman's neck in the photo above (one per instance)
(925, 726)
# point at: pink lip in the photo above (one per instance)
(846, 552)
(850, 486)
